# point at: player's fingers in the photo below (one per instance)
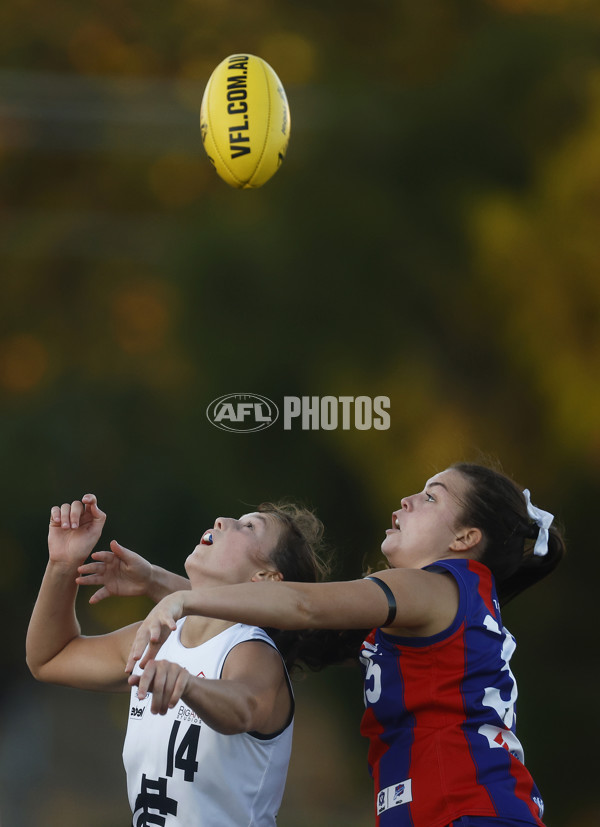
(172, 679)
(147, 680)
(101, 594)
(89, 579)
(118, 550)
(173, 687)
(154, 628)
(55, 518)
(65, 515)
(179, 687)
(152, 634)
(158, 631)
(91, 503)
(151, 652)
(159, 686)
(140, 642)
(103, 556)
(124, 554)
(91, 570)
(168, 676)
(135, 652)
(77, 509)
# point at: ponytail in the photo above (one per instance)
(532, 568)
(503, 512)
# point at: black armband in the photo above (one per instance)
(390, 599)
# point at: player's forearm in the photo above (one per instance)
(53, 622)
(225, 706)
(163, 582)
(286, 605)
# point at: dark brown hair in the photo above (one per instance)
(299, 553)
(496, 505)
(300, 556)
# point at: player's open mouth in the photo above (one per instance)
(207, 538)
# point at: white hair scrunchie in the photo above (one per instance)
(543, 519)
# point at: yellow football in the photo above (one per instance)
(245, 121)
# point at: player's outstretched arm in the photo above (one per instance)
(55, 649)
(123, 573)
(281, 605)
(252, 694)
(426, 603)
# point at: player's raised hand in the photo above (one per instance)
(155, 629)
(119, 572)
(74, 530)
(166, 681)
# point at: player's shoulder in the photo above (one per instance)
(253, 655)
(430, 577)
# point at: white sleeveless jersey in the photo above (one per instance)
(181, 773)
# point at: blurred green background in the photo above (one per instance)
(432, 237)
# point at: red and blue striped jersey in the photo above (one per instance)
(440, 717)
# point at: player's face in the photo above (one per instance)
(428, 523)
(235, 551)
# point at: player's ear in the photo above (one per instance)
(266, 574)
(466, 540)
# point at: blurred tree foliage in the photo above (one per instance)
(432, 237)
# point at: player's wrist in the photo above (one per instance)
(186, 598)
(64, 568)
(154, 583)
(148, 583)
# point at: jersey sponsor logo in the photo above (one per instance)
(394, 796)
(184, 713)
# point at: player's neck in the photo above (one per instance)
(197, 630)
